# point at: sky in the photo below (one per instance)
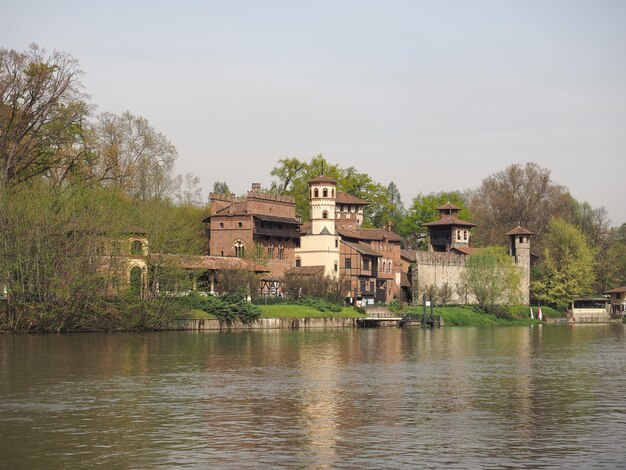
(432, 95)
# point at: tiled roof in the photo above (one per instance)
(237, 208)
(450, 220)
(208, 262)
(364, 250)
(322, 179)
(616, 290)
(464, 250)
(361, 233)
(519, 231)
(272, 218)
(306, 270)
(410, 255)
(345, 198)
(448, 206)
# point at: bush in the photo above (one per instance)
(223, 308)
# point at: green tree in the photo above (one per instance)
(492, 278)
(568, 265)
(42, 111)
(423, 210)
(220, 187)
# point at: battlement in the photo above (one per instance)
(434, 258)
(261, 195)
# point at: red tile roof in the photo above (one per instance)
(616, 290)
(364, 250)
(519, 231)
(450, 220)
(448, 206)
(322, 179)
(345, 198)
(306, 270)
(361, 233)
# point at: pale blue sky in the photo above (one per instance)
(434, 95)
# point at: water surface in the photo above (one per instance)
(527, 397)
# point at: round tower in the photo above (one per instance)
(519, 249)
(322, 195)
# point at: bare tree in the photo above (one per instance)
(187, 190)
(133, 156)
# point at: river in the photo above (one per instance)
(512, 397)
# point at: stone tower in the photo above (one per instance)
(519, 249)
(322, 193)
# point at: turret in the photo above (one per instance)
(519, 249)
(322, 193)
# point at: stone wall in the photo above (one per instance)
(265, 324)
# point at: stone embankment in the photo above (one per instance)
(264, 324)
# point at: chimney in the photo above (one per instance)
(256, 187)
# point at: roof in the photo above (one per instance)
(450, 220)
(364, 250)
(448, 206)
(404, 280)
(519, 230)
(617, 290)
(322, 179)
(272, 218)
(345, 198)
(601, 299)
(236, 208)
(306, 270)
(361, 233)
(463, 250)
(208, 262)
(410, 255)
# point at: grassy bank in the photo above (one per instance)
(468, 316)
(303, 311)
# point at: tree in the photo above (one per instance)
(423, 210)
(492, 278)
(519, 195)
(133, 156)
(42, 110)
(568, 265)
(220, 187)
(187, 190)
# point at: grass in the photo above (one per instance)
(466, 316)
(196, 314)
(303, 311)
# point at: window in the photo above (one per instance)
(372, 286)
(239, 249)
(465, 235)
(316, 192)
(298, 262)
(332, 192)
(366, 263)
(136, 248)
(325, 215)
(221, 224)
(240, 225)
(325, 192)
(521, 239)
(363, 284)
(336, 243)
(281, 251)
(335, 266)
(259, 250)
(348, 263)
(297, 243)
(270, 250)
(458, 235)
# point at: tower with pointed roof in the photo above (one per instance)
(519, 249)
(322, 193)
(449, 232)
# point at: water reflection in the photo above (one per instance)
(455, 397)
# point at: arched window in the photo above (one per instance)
(335, 266)
(332, 192)
(281, 251)
(325, 192)
(316, 192)
(239, 249)
(465, 235)
(336, 243)
(458, 235)
(135, 281)
(136, 248)
(270, 250)
(325, 215)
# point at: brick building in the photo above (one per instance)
(261, 225)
